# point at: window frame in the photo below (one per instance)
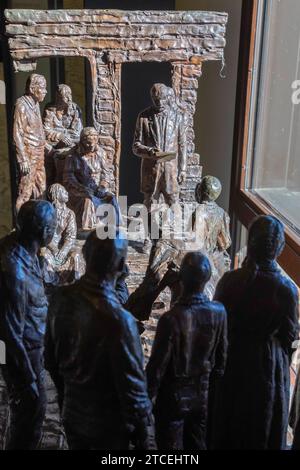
(244, 204)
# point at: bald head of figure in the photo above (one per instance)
(195, 272)
(209, 189)
(105, 259)
(36, 220)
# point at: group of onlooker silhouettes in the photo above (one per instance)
(218, 375)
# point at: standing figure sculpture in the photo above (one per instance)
(94, 355)
(30, 141)
(161, 130)
(262, 307)
(23, 312)
(189, 352)
(63, 125)
(87, 179)
(61, 255)
(209, 233)
(211, 226)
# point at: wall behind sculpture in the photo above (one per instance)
(214, 119)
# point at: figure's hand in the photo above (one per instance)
(48, 148)
(67, 141)
(33, 391)
(61, 256)
(108, 196)
(24, 168)
(154, 151)
(30, 391)
(182, 177)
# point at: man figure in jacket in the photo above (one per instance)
(188, 357)
(161, 128)
(94, 355)
(23, 310)
(30, 141)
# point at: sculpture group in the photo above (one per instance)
(218, 374)
(201, 351)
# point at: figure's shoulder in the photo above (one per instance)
(7, 245)
(101, 152)
(231, 278)
(13, 257)
(70, 215)
(223, 216)
(65, 299)
(169, 318)
(121, 315)
(287, 286)
(221, 212)
(76, 108)
(218, 309)
(123, 321)
(233, 274)
(21, 103)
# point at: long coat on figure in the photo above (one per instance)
(188, 357)
(262, 311)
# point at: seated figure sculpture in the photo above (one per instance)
(61, 255)
(87, 179)
(63, 125)
(94, 355)
(189, 352)
(62, 119)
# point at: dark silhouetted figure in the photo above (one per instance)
(94, 355)
(189, 352)
(23, 311)
(262, 307)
